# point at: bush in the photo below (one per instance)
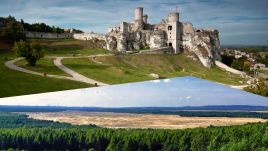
(242, 64)
(31, 51)
(260, 87)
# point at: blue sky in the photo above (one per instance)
(174, 92)
(239, 21)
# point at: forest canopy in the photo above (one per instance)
(44, 135)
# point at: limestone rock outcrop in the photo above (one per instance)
(203, 43)
(111, 43)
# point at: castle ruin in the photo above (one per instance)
(169, 33)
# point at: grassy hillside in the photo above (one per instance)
(110, 69)
(71, 47)
(131, 68)
(18, 83)
(44, 65)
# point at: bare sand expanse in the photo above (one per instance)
(127, 120)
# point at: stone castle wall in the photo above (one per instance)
(80, 36)
(30, 34)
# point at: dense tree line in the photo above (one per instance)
(254, 49)
(240, 138)
(223, 114)
(19, 132)
(41, 27)
(12, 30)
(15, 120)
(251, 49)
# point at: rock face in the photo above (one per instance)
(203, 43)
(111, 43)
(157, 39)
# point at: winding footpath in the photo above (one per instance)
(75, 76)
(11, 64)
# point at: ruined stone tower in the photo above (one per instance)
(173, 31)
(138, 18)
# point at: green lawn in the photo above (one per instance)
(18, 83)
(71, 47)
(44, 65)
(132, 68)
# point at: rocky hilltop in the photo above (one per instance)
(170, 33)
(204, 43)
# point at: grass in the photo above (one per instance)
(263, 71)
(71, 47)
(15, 83)
(113, 70)
(132, 68)
(112, 74)
(44, 65)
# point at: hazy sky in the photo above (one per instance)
(175, 92)
(239, 21)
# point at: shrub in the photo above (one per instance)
(260, 87)
(31, 51)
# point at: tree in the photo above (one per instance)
(31, 51)
(12, 30)
(246, 66)
(238, 64)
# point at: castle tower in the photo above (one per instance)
(138, 13)
(173, 31)
(138, 18)
(144, 18)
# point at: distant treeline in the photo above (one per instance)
(15, 120)
(252, 49)
(12, 30)
(31, 136)
(205, 111)
(133, 109)
(42, 27)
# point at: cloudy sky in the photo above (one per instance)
(239, 21)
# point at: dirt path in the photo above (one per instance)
(57, 62)
(74, 74)
(11, 64)
(229, 69)
(232, 70)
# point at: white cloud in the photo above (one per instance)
(188, 97)
(167, 80)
